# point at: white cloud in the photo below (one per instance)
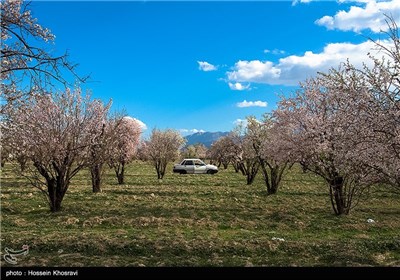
(142, 125)
(295, 2)
(253, 71)
(353, 1)
(244, 123)
(240, 122)
(238, 86)
(205, 66)
(194, 130)
(275, 51)
(292, 69)
(368, 15)
(185, 131)
(245, 104)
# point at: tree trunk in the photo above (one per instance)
(236, 167)
(56, 190)
(273, 189)
(265, 174)
(338, 198)
(160, 168)
(270, 181)
(22, 164)
(161, 173)
(243, 168)
(251, 170)
(95, 171)
(56, 187)
(250, 178)
(120, 173)
(304, 167)
(274, 180)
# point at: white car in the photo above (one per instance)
(194, 166)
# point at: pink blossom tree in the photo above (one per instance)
(322, 120)
(249, 163)
(379, 149)
(142, 151)
(265, 139)
(163, 147)
(345, 124)
(56, 133)
(373, 127)
(244, 158)
(124, 136)
(97, 158)
(225, 150)
(195, 151)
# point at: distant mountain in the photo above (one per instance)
(206, 138)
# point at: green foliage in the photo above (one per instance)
(197, 220)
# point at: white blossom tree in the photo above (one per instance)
(322, 120)
(249, 163)
(244, 158)
(195, 151)
(225, 150)
(163, 147)
(97, 158)
(380, 121)
(265, 139)
(345, 124)
(123, 141)
(56, 132)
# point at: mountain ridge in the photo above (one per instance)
(206, 138)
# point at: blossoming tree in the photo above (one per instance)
(56, 132)
(123, 140)
(163, 147)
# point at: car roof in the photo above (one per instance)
(191, 159)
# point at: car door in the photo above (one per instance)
(199, 167)
(189, 166)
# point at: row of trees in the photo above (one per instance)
(251, 148)
(54, 134)
(60, 134)
(343, 125)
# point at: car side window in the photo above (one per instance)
(189, 162)
(198, 163)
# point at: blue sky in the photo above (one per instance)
(203, 66)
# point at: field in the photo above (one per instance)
(197, 220)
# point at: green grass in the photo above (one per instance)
(196, 220)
